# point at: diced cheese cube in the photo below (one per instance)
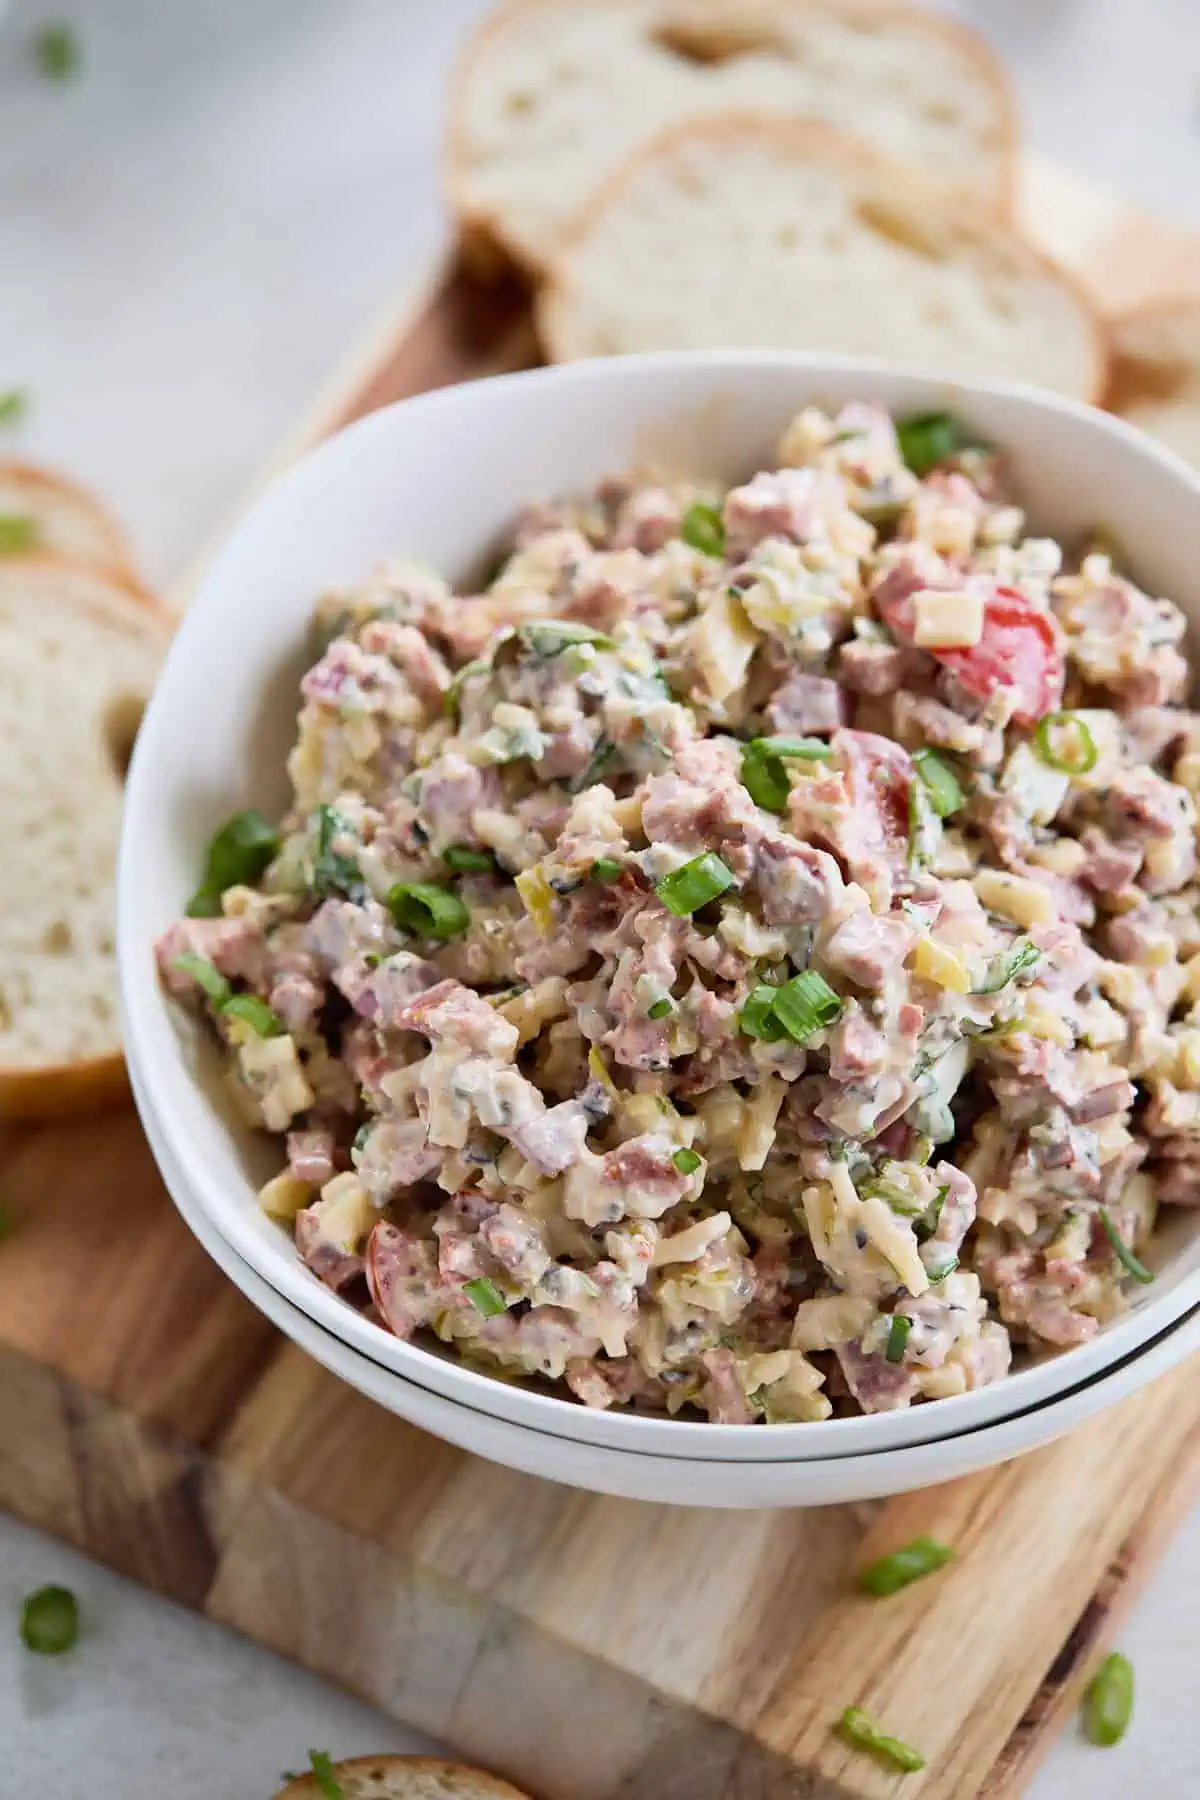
(284, 1196)
(947, 621)
(935, 963)
(1013, 897)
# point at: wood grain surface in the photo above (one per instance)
(588, 1648)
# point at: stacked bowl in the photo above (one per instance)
(442, 477)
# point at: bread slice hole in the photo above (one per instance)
(122, 722)
(57, 939)
(710, 42)
(904, 229)
(519, 102)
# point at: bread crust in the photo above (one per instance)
(475, 1784)
(118, 559)
(1135, 376)
(489, 240)
(815, 142)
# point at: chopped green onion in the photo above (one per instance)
(14, 404)
(334, 873)
(550, 637)
(18, 533)
(806, 1004)
(205, 903)
(606, 868)
(1121, 1250)
(1077, 755)
(940, 1272)
(927, 440)
(427, 910)
(703, 528)
(603, 754)
(661, 1009)
(237, 854)
(463, 860)
(687, 889)
(453, 694)
(923, 828)
(927, 1224)
(940, 783)
(686, 1161)
(361, 1136)
(757, 1017)
(924, 1556)
(1108, 1702)
(255, 1013)
(56, 52)
(864, 1734)
(898, 1333)
(50, 1621)
(205, 976)
(322, 1768)
(1006, 968)
(764, 776)
(485, 1297)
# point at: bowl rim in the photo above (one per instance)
(144, 1007)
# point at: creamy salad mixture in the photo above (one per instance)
(745, 958)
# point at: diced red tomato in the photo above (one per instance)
(878, 774)
(1020, 648)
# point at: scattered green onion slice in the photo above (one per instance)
(550, 637)
(703, 528)
(661, 1009)
(898, 1333)
(56, 52)
(322, 1768)
(1121, 1250)
(927, 1224)
(806, 1004)
(427, 910)
(485, 1297)
(205, 903)
(928, 439)
(940, 783)
(764, 775)
(1078, 755)
(205, 976)
(255, 1013)
(464, 860)
(686, 1161)
(238, 852)
(940, 1272)
(922, 826)
(606, 868)
(14, 404)
(18, 533)
(453, 694)
(757, 1017)
(50, 1621)
(861, 1730)
(687, 889)
(910, 1563)
(1108, 1702)
(1006, 968)
(333, 872)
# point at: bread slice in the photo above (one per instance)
(1156, 373)
(552, 95)
(64, 517)
(79, 651)
(404, 1778)
(733, 231)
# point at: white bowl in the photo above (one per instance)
(442, 477)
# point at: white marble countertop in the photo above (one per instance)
(191, 234)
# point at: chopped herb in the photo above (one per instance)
(606, 869)
(238, 852)
(686, 1161)
(427, 910)
(255, 1013)
(806, 1004)
(703, 528)
(940, 783)
(922, 826)
(1121, 1250)
(205, 976)
(940, 1271)
(550, 637)
(1006, 968)
(764, 775)
(56, 52)
(50, 1621)
(603, 754)
(1108, 1702)
(757, 1017)
(661, 1009)
(464, 860)
(14, 404)
(927, 440)
(862, 1731)
(333, 873)
(927, 1224)
(687, 889)
(1064, 742)
(452, 697)
(322, 1768)
(18, 533)
(361, 1136)
(924, 1556)
(898, 1333)
(485, 1297)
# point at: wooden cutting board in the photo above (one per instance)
(588, 1648)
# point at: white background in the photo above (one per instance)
(191, 234)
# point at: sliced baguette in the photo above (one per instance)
(733, 231)
(1156, 373)
(404, 1778)
(552, 95)
(64, 518)
(79, 651)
